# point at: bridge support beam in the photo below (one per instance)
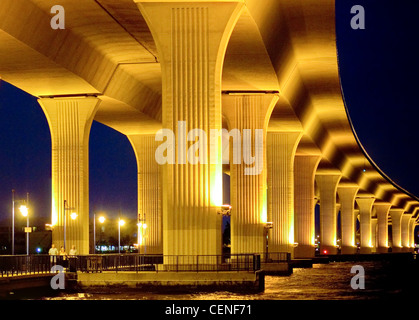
(382, 210)
(191, 38)
(281, 148)
(70, 120)
(412, 226)
(347, 196)
(327, 184)
(248, 182)
(150, 232)
(365, 212)
(305, 167)
(405, 230)
(396, 221)
(374, 222)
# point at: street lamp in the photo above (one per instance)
(73, 216)
(101, 220)
(24, 211)
(120, 223)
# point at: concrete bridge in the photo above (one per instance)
(141, 66)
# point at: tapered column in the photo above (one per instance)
(412, 227)
(305, 167)
(365, 211)
(150, 232)
(374, 222)
(396, 221)
(405, 231)
(280, 158)
(248, 116)
(70, 120)
(382, 210)
(327, 184)
(347, 196)
(191, 39)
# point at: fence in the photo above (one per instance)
(275, 257)
(32, 264)
(28, 264)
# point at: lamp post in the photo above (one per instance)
(13, 221)
(73, 216)
(24, 211)
(101, 220)
(120, 223)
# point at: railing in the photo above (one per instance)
(30, 264)
(275, 257)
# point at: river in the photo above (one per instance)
(330, 281)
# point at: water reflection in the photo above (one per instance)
(322, 282)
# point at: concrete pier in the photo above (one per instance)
(228, 280)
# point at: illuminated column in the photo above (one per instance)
(281, 149)
(405, 231)
(70, 120)
(382, 210)
(347, 196)
(374, 234)
(412, 226)
(327, 184)
(396, 220)
(248, 181)
(365, 211)
(191, 39)
(305, 167)
(150, 239)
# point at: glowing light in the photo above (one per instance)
(325, 251)
(217, 191)
(291, 234)
(121, 222)
(102, 219)
(24, 210)
(73, 215)
(264, 214)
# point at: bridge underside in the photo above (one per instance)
(141, 66)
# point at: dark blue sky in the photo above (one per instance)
(379, 68)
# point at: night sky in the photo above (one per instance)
(379, 69)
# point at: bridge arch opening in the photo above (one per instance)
(113, 188)
(25, 164)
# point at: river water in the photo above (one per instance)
(330, 281)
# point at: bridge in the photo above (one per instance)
(141, 66)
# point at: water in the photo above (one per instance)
(391, 280)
